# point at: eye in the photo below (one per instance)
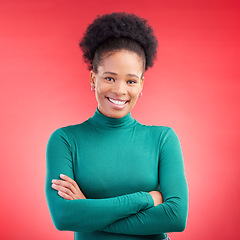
(131, 81)
(109, 79)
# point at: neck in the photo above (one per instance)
(103, 121)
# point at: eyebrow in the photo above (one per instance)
(130, 74)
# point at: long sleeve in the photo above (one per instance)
(171, 215)
(83, 214)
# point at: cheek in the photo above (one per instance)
(135, 93)
(101, 90)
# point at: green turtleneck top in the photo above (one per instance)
(116, 162)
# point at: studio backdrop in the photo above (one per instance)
(193, 88)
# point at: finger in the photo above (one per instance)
(71, 184)
(66, 191)
(64, 184)
(75, 189)
(64, 195)
(75, 193)
(63, 189)
(60, 182)
(70, 180)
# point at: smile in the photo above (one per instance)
(118, 102)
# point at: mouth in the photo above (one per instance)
(118, 103)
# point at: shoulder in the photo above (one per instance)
(155, 128)
(164, 133)
(69, 132)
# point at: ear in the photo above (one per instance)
(92, 78)
(142, 82)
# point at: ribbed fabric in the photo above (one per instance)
(116, 162)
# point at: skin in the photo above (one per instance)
(119, 77)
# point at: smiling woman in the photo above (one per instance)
(111, 177)
(118, 83)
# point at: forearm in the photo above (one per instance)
(94, 214)
(171, 216)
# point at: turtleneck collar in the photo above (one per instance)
(102, 121)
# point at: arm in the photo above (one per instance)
(83, 214)
(171, 215)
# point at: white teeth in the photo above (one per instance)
(117, 102)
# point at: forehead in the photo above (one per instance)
(121, 62)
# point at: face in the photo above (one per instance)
(118, 83)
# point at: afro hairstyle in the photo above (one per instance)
(117, 31)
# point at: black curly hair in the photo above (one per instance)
(117, 31)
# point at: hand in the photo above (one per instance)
(157, 197)
(67, 188)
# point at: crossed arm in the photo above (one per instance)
(68, 189)
(139, 213)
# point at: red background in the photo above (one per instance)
(193, 87)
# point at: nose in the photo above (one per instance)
(120, 88)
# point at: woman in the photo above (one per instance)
(111, 177)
